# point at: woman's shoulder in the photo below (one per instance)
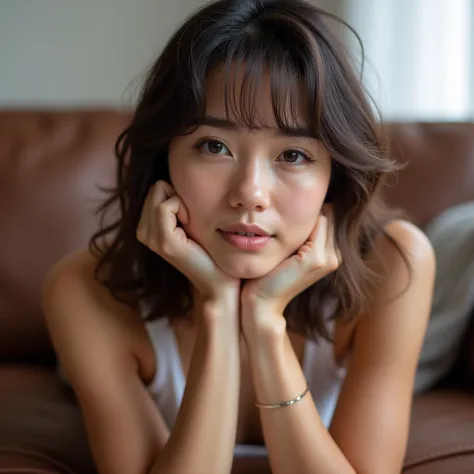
(78, 265)
(72, 278)
(404, 259)
(403, 242)
(408, 235)
(75, 303)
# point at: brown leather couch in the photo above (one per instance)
(50, 165)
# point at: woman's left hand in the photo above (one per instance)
(263, 300)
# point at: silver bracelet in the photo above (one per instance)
(283, 404)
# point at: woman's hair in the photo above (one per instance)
(292, 43)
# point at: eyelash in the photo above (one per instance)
(198, 146)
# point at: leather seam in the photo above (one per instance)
(23, 470)
(463, 449)
(42, 457)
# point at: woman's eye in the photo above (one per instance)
(215, 147)
(295, 156)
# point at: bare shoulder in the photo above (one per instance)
(398, 306)
(372, 418)
(71, 281)
(404, 255)
(411, 239)
(97, 340)
(76, 305)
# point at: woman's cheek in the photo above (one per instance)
(299, 215)
(301, 208)
(199, 202)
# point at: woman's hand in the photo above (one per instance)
(158, 229)
(263, 300)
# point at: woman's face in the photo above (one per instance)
(227, 175)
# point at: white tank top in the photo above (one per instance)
(323, 374)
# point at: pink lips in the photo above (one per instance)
(232, 234)
(246, 229)
(243, 242)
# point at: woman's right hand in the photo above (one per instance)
(158, 230)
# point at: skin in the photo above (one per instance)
(250, 179)
(369, 429)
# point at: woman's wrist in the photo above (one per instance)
(262, 327)
(220, 312)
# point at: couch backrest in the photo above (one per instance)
(439, 169)
(51, 163)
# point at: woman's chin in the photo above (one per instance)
(246, 272)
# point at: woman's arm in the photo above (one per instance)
(127, 433)
(295, 436)
(369, 430)
(203, 438)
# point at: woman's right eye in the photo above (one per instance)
(212, 146)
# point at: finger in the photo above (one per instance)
(333, 254)
(164, 222)
(328, 212)
(147, 228)
(313, 252)
(162, 192)
(168, 211)
(157, 193)
(185, 254)
(167, 191)
(320, 234)
(182, 214)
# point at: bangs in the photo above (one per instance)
(260, 63)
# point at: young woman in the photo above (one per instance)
(254, 293)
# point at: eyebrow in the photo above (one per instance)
(230, 125)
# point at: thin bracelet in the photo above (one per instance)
(284, 404)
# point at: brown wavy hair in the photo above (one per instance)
(293, 43)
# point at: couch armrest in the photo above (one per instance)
(21, 461)
(41, 427)
(441, 436)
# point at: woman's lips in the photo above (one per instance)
(244, 242)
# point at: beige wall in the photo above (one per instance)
(87, 52)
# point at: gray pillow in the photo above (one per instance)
(452, 236)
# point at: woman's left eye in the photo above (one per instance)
(295, 157)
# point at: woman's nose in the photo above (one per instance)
(251, 186)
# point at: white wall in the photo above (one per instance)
(420, 56)
(56, 52)
(85, 52)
